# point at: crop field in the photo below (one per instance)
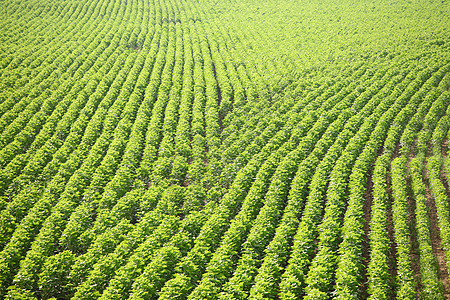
(224, 149)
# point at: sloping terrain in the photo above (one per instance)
(236, 149)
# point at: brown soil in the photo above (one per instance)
(368, 201)
(219, 98)
(368, 196)
(414, 255)
(438, 251)
(443, 175)
(444, 147)
(390, 227)
(396, 151)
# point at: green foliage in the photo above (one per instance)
(221, 149)
(53, 279)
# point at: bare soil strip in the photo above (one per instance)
(414, 255)
(435, 236)
(390, 225)
(368, 201)
(368, 196)
(444, 148)
(443, 174)
(219, 97)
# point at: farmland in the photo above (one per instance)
(235, 149)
